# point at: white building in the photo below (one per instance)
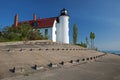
(55, 28)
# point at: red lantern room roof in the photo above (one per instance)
(41, 23)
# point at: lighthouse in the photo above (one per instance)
(63, 27)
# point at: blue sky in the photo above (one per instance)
(99, 16)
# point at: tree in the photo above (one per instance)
(75, 34)
(83, 44)
(87, 43)
(19, 33)
(37, 35)
(92, 37)
(9, 34)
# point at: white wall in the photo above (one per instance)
(42, 31)
(51, 32)
(58, 33)
(64, 25)
(54, 31)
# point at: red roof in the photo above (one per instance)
(48, 22)
(41, 23)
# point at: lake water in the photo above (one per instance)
(113, 51)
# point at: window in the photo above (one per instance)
(46, 32)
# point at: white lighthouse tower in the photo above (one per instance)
(63, 27)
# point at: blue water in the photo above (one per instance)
(113, 51)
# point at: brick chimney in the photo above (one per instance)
(34, 16)
(16, 20)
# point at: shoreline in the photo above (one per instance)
(115, 52)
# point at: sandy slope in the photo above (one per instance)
(40, 53)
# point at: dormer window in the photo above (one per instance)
(35, 24)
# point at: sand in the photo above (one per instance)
(43, 53)
(106, 68)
